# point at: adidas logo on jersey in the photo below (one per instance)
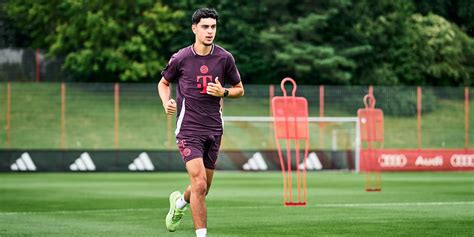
(24, 163)
(312, 163)
(256, 162)
(141, 163)
(83, 163)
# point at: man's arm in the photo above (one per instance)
(236, 91)
(216, 89)
(164, 91)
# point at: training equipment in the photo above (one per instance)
(290, 115)
(340, 134)
(371, 131)
(173, 218)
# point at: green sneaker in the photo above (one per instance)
(175, 214)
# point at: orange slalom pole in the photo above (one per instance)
(297, 151)
(304, 171)
(288, 151)
(288, 159)
(369, 173)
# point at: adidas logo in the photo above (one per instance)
(256, 162)
(141, 163)
(83, 163)
(312, 163)
(24, 163)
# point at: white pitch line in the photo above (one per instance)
(81, 211)
(369, 204)
(252, 207)
(394, 204)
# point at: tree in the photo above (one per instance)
(383, 25)
(106, 41)
(10, 36)
(460, 12)
(239, 26)
(408, 48)
(446, 52)
(314, 47)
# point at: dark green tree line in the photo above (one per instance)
(102, 41)
(342, 42)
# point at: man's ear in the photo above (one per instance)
(193, 28)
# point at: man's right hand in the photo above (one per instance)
(170, 107)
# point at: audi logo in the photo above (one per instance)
(462, 160)
(396, 160)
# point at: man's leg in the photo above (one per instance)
(209, 175)
(196, 192)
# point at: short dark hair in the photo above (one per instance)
(204, 13)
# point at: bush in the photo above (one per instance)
(396, 101)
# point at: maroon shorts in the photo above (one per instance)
(200, 146)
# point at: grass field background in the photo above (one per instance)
(239, 204)
(36, 118)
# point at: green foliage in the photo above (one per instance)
(411, 49)
(459, 12)
(102, 41)
(402, 101)
(384, 28)
(385, 42)
(302, 49)
(239, 33)
(445, 51)
(397, 101)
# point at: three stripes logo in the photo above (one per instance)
(256, 162)
(24, 163)
(83, 163)
(312, 163)
(141, 163)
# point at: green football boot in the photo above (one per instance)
(175, 214)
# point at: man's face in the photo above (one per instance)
(205, 31)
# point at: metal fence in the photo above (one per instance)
(29, 65)
(130, 116)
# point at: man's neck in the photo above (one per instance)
(202, 49)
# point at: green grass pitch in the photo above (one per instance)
(239, 204)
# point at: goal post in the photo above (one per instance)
(251, 129)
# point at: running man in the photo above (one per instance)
(200, 71)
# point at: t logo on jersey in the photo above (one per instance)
(202, 83)
(203, 80)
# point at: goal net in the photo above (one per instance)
(334, 141)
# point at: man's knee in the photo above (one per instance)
(200, 186)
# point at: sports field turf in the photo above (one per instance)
(239, 204)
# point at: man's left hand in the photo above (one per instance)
(215, 89)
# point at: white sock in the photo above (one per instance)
(181, 203)
(201, 232)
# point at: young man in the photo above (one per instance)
(200, 71)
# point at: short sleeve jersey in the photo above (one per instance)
(198, 112)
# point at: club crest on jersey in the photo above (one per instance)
(204, 69)
(186, 152)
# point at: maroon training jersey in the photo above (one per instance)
(198, 112)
